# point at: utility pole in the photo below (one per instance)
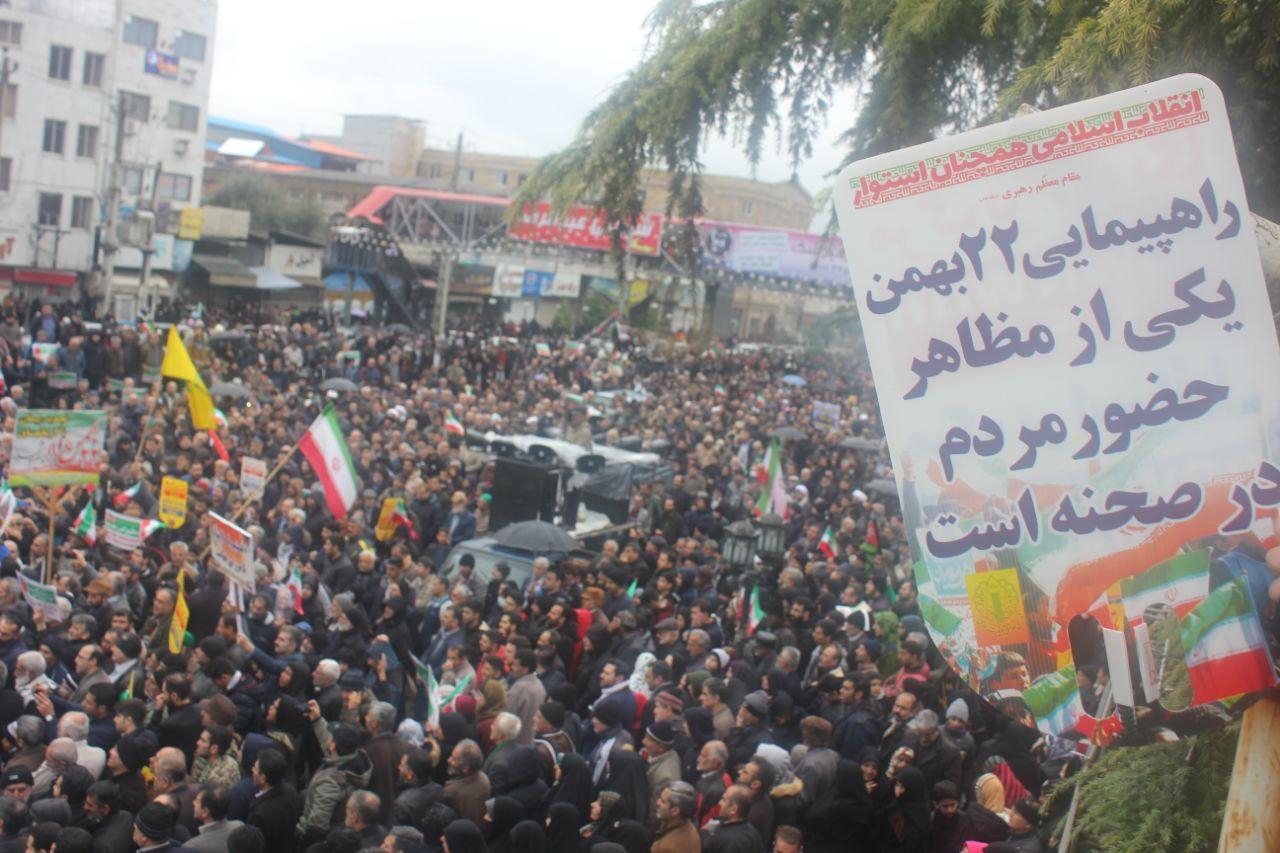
(457, 163)
(442, 295)
(148, 248)
(113, 203)
(6, 68)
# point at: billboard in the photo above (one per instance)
(584, 227)
(1075, 360)
(795, 255)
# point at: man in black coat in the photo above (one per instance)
(734, 834)
(276, 807)
(153, 829)
(110, 825)
(417, 790)
(178, 724)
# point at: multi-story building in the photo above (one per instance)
(104, 116)
(393, 143)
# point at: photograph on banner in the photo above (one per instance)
(231, 550)
(1070, 334)
(57, 448)
(253, 476)
(173, 502)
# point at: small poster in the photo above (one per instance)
(173, 501)
(253, 476)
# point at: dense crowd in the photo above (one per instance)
(634, 699)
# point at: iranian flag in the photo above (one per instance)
(760, 401)
(453, 425)
(121, 500)
(400, 515)
(827, 544)
(871, 541)
(720, 391)
(1054, 700)
(219, 447)
(86, 526)
(1181, 583)
(752, 612)
(1225, 647)
(220, 417)
(294, 585)
(326, 450)
(774, 496)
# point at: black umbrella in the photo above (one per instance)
(399, 328)
(789, 434)
(541, 537)
(860, 444)
(228, 335)
(229, 389)
(337, 383)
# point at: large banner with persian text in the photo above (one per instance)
(1076, 366)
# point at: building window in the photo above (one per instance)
(141, 31)
(131, 178)
(87, 141)
(50, 212)
(748, 207)
(93, 65)
(6, 173)
(184, 116)
(55, 136)
(137, 107)
(520, 179)
(468, 174)
(434, 171)
(189, 46)
(502, 179)
(10, 32)
(10, 100)
(59, 62)
(174, 187)
(82, 212)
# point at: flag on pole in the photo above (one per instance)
(720, 391)
(827, 544)
(219, 447)
(221, 418)
(326, 450)
(871, 541)
(774, 496)
(1225, 647)
(754, 612)
(400, 515)
(759, 401)
(121, 500)
(86, 526)
(1054, 700)
(181, 616)
(177, 364)
(294, 585)
(631, 590)
(453, 425)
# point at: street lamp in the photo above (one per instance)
(772, 536)
(739, 544)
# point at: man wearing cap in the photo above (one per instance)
(752, 728)
(1024, 820)
(17, 782)
(664, 762)
(124, 765)
(666, 638)
(153, 827)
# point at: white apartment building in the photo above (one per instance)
(93, 83)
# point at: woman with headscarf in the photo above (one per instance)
(845, 821)
(700, 729)
(573, 783)
(983, 817)
(528, 836)
(391, 624)
(906, 827)
(462, 836)
(740, 680)
(878, 788)
(563, 825)
(783, 728)
(348, 642)
(608, 826)
(500, 815)
(526, 785)
(625, 774)
(595, 653)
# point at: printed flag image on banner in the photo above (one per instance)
(1056, 309)
(1225, 646)
(326, 450)
(56, 448)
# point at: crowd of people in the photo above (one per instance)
(649, 697)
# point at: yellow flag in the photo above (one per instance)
(177, 363)
(181, 615)
(201, 404)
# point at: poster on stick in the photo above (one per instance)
(57, 448)
(253, 477)
(41, 597)
(1075, 359)
(173, 501)
(231, 549)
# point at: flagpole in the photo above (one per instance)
(52, 503)
(246, 504)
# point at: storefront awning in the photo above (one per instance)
(225, 271)
(269, 279)
(55, 278)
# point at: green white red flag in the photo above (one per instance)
(827, 544)
(121, 500)
(453, 425)
(1225, 647)
(773, 498)
(86, 526)
(326, 450)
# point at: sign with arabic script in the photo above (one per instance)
(1075, 360)
(585, 228)
(57, 448)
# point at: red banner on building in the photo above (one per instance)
(585, 228)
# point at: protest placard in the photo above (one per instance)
(231, 549)
(41, 597)
(173, 501)
(1072, 344)
(826, 415)
(127, 532)
(57, 448)
(253, 476)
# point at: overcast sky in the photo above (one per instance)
(515, 77)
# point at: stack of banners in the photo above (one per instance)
(126, 532)
(231, 550)
(57, 448)
(1055, 309)
(41, 597)
(773, 495)
(1225, 646)
(177, 364)
(173, 502)
(326, 450)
